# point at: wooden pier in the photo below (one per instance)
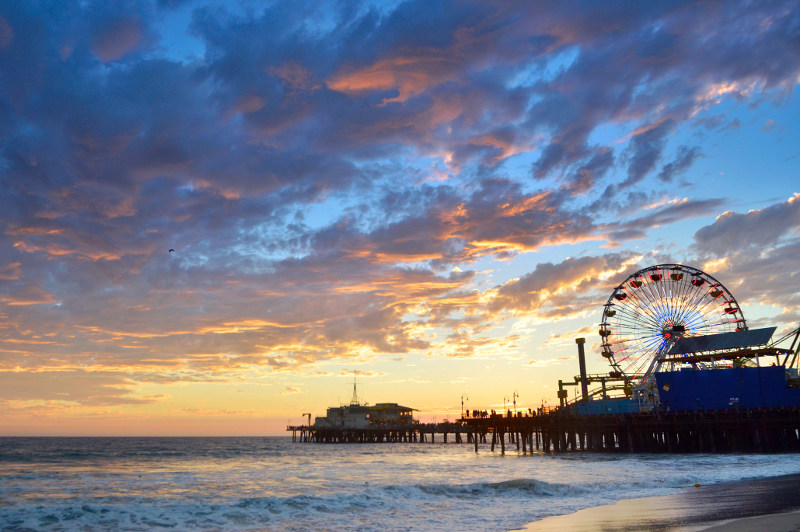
(414, 432)
(765, 430)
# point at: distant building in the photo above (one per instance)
(344, 417)
(358, 416)
(390, 414)
(361, 416)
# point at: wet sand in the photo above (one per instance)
(760, 504)
(786, 522)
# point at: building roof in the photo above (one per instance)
(391, 406)
(728, 340)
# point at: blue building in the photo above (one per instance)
(727, 388)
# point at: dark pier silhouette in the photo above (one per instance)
(762, 430)
(408, 433)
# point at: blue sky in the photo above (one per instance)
(436, 197)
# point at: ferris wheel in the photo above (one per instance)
(654, 308)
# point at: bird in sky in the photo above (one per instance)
(171, 250)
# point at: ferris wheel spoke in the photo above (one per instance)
(694, 294)
(643, 347)
(652, 299)
(693, 322)
(683, 305)
(633, 304)
(638, 322)
(708, 305)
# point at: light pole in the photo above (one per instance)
(515, 395)
(463, 396)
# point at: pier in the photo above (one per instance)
(409, 433)
(762, 430)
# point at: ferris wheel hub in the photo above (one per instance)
(673, 332)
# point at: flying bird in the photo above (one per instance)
(171, 250)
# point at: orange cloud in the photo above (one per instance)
(10, 272)
(532, 203)
(295, 76)
(31, 295)
(249, 103)
(410, 76)
(497, 246)
(506, 148)
(38, 231)
(456, 215)
(58, 251)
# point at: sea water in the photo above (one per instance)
(274, 484)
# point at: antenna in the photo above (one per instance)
(354, 400)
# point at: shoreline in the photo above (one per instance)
(769, 503)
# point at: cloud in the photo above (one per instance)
(116, 39)
(556, 289)
(669, 213)
(550, 361)
(646, 147)
(71, 386)
(6, 33)
(769, 125)
(684, 159)
(761, 228)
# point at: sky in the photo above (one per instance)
(216, 215)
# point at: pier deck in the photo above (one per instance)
(706, 431)
(414, 432)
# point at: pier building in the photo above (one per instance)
(360, 422)
(358, 416)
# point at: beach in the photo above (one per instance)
(750, 504)
(784, 522)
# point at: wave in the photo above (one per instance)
(65, 449)
(503, 504)
(371, 507)
(522, 486)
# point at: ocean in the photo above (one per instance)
(273, 484)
